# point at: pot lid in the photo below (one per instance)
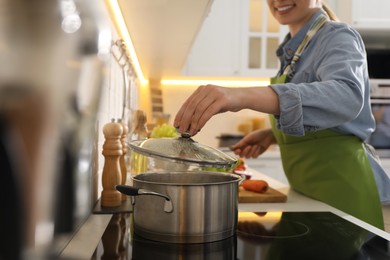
(183, 150)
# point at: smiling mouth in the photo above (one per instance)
(284, 8)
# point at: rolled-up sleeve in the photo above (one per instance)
(290, 120)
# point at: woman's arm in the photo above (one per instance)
(330, 87)
(209, 100)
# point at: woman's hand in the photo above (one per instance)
(209, 100)
(205, 102)
(254, 143)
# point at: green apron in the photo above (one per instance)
(330, 167)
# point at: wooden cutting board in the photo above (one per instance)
(271, 195)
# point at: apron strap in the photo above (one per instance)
(314, 28)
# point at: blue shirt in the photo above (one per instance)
(330, 88)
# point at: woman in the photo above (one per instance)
(320, 112)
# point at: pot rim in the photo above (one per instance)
(234, 178)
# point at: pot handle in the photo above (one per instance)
(132, 191)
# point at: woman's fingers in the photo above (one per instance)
(205, 102)
(246, 152)
(206, 107)
(184, 115)
(249, 151)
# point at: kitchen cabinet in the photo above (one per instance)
(271, 167)
(370, 15)
(270, 164)
(215, 51)
(362, 14)
(261, 36)
(238, 38)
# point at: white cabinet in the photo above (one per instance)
(261, 35)
(362, 14)
(373, 14)
(271, 167)
(270, 164)
(238, 38)
(215, 51)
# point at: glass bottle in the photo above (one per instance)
(140, 130)
(138, 162)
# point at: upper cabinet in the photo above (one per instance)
(261, 36)
(362, 14)
(215, 49)
(373, 14)
(238, 39)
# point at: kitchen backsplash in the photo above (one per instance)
(118, 100)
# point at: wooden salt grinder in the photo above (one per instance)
(122, 161)
(112, 150)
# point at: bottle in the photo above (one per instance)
(140, 130)
(138, 162)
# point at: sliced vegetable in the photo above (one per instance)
(164, 130)
(259, 186)
(240, 166)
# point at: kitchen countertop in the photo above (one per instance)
(298, 202)
(83, 244)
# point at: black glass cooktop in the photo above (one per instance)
(270, 236)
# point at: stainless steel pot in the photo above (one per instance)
(189, 207)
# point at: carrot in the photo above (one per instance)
(255, 185)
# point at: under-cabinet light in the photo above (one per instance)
(226, 83)
(124, 33)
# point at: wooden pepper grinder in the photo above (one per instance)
(122, 161)
(112, 150)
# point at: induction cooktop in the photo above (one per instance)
(274, 236)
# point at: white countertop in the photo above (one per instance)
(87, 238)
(298, 202)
